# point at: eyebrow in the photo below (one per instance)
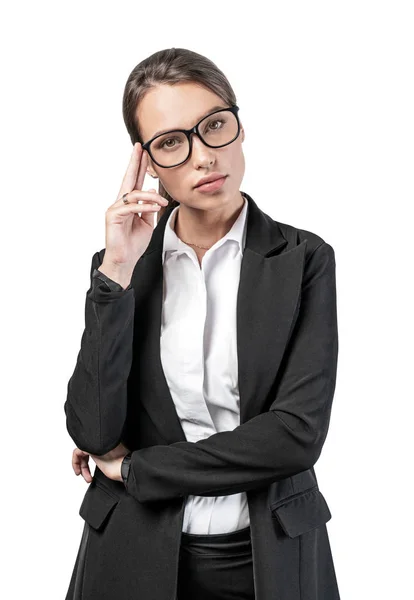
(218, 107)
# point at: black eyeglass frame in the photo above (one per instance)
(233, 109)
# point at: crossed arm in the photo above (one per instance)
(279, 443)
(276, 444)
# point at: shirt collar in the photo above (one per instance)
(173, 244)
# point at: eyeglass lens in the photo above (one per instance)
(217, 129)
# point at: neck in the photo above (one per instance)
(206, 227)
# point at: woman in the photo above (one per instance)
(204, 384)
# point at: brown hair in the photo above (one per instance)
(170, 66)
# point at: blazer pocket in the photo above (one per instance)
(302, 512)
(97, 505)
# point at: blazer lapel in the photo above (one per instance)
(267, 300)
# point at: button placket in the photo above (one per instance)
(200, 414)
(203, 303)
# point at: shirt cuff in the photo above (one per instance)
(125, 466)
(113, 286)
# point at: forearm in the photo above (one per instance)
(253, 455)
(96, 401)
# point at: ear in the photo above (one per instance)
(152, 173)
(242, 133)
(150, 168)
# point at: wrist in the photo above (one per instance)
(116, 473)
(121, 275)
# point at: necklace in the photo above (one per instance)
(190, 244)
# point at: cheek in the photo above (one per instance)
(236, 162)
(174, 181)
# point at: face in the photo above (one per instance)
(181, 106)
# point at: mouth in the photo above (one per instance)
(211, 186)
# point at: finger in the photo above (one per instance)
(141, 171)
(86, 473)
(140, 195)
(77, 456)
(128, 209)
(131, 173)
(130, 180)
(76, 465)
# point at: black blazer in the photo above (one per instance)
(287, 342)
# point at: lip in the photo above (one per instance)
(209, 178)
(211, 186)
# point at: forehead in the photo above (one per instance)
(178, 106)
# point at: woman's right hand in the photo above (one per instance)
(128, 234)
(80, 460)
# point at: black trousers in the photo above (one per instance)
(216, 566)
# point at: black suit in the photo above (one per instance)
(287, 344)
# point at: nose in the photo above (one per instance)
(201, 154)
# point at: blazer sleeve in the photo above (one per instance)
(96, 403)
(281, 442)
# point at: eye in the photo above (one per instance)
(164, 143)
(213, 122)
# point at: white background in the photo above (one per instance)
(325, 91)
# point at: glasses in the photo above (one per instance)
(216, 130)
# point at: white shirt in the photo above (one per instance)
(199, 355)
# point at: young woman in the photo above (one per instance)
(204, 383)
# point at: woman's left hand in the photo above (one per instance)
(109, 463)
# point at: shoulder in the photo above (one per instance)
(314, 241)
